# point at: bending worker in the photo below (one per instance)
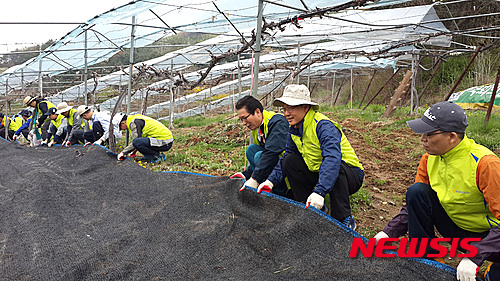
(13, 125)
(149, 137)
(456, 190)
(100, 123)
(24, 129)
(41, 107)
(73, 123)
(318, 160)
(269, 131)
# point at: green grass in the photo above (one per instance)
(488, 136)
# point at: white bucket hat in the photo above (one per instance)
(294, 95)
(63, 107)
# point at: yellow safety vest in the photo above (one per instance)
(152, 128)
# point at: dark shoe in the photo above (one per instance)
(349, 222)
(159, 158)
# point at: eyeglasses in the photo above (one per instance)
(432, 134)
(245, 118)
(289, 109)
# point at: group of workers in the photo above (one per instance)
(301, 154)
(62, 124)
(456, 190)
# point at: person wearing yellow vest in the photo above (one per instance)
(41, 107)
(56, 129)
(269, 131)
(318, 160)
(74, 122)
(456, 190)
(149, 137)
(24, 129)
(13, 126)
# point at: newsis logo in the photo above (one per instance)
(407, 247)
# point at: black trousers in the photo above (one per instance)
(10, 133)
(303, 182)
(96, 133)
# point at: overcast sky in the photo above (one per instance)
(46, 11)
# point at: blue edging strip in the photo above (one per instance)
(436, 264)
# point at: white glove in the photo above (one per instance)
(14, 137)
(266, 186)
(316, 200)
(250, 183)
(98, 142)
(380, 235)
(120, 156)
(43, 142)
(51, 143)
(467, 270)
(67, 144)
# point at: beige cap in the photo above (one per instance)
(295, 95)
(28, 100)
(63, 107)
(82, 109)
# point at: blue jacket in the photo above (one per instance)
(23, 126)
(273, 147)
(329, 138)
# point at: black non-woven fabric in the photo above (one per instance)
(79, 214)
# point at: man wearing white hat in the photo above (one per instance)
(318, 160)
(100, 122)
(73, 123)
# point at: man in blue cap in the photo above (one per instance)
(456, 190)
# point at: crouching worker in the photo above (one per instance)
(269, 131)
(13, 125)
(24, 129)
(149, 137)
(318, 160)
(456, 191)
(100, 123)
(57, 129)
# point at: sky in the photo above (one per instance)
(46, 11)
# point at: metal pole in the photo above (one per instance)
(22, 82)
(371, 80)
(308, 76)
(131, 66)
(255, 86)
(40, 82)
(463, 73)
(380, 90)
(298, 62)
(171, 121)
(351, 87)
(413, 90)
(6, 125)
(239, 78)
(333, 87)
(85, 72)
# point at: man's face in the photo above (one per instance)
(87, 115)
(123, 125)
(25, 117)
(437, 142)
(65, 113)
(53, 116)
(251, 121)
(32, 104)
(294, 114)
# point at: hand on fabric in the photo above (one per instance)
(380, 235)
(98, 142)
(467, 270)
(134, 153)
(238, 175)
(44, 142)
(316, 200)
(250, 183)
(88, 143)
(120, 156)
(14, 137)
(51, 143)
(266, 186)
(67, 144)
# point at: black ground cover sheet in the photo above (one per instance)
(78, 214)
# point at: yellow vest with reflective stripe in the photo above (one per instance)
(49, 105)
(58, 120)
(152, 128)
(310, 148)
(14, 124)
(453, 177)
(266, 115)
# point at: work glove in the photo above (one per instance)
(120, 156)
(380, 235)
(467, 270)
(67, 144)
(134, 153)
(250, 183)
(99, 142)
(51, 143)
(88, 143)
(266, 186)
(316, 200)
(14, 137)
(238, 175)
(44, 142)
